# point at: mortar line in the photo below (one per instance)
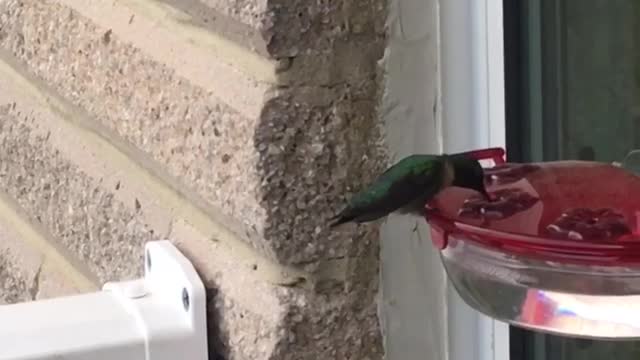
(13, 216)
(235, 75)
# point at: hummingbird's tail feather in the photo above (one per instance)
(338, 223)
(340, 219)
(354, 216)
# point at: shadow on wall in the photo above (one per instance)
(216, 340)
(314, 152)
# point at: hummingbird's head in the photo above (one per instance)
(468, 173)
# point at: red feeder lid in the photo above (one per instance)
(566, 211)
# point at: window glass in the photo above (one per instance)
(573, 92)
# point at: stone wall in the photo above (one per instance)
(233, 128)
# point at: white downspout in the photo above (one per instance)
(159, 317)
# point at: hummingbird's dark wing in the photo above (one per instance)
(414, 179)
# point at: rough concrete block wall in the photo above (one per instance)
(232, 128)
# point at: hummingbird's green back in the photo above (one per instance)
(412, 179)
(411, 167)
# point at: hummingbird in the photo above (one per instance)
(407, 186)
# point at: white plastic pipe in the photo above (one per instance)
(159, 317)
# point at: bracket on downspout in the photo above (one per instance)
(161, 316)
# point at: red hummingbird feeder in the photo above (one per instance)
(553, 241)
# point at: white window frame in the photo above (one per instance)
(473, 116)
(444, 92)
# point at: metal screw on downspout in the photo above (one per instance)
(148, 260)
(185, 299)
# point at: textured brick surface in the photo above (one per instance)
(281, 174)
(292, 28)
(106, 234)
(20, 282)
(321, 43)
(26, 271)
(15, 288)
(291, 323)
(195, 136)
(161, 153)
(249, 318)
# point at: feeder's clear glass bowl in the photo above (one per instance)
(601, 302)
(512, 269)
